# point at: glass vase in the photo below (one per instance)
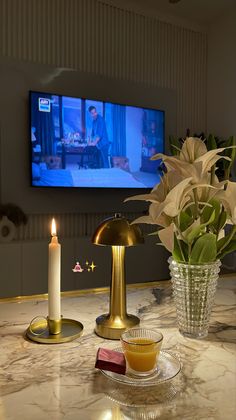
(194, 288)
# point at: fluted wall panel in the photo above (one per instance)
(68, 225)
(95, 37)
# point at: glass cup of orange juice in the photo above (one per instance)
(141, 348)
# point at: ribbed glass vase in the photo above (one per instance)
(194, 288)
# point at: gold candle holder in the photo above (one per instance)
(118, 233)
(49, 331)
(54, 326)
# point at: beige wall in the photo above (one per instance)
(221, 93)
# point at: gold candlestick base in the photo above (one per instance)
(108, 326)
(39, 331)
(54, 326)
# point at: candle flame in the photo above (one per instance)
(53, 228)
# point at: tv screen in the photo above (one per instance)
(78, 142)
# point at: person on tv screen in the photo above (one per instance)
(33, 136)
(36, 147)
(99, 136)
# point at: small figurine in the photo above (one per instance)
(77, 268)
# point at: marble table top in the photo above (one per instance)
(54, 382)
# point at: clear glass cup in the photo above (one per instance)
(141, 348)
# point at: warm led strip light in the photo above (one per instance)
(74, 293)
(98, 290)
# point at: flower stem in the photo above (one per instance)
(180, 247)
(213, 168)
(196, 204)
(218, 224)
(179, 233)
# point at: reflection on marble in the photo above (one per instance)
(54, 382)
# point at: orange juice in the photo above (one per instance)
(143, 356)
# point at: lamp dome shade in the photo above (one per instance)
(117, 231)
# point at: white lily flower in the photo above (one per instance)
(192, 149)
(228, 199)
(189, 193)
(167, 237)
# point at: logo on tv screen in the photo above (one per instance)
(44, 105)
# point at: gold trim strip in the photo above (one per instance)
(75, 293)
(97, 290)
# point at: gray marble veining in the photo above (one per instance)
(55, 382)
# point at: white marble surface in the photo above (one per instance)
(54, 382)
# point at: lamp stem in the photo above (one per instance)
(118, 286)
(112, 325)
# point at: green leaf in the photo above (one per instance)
(175, 145)
(185, 220)
(207, 212)
(189, 209)
(193, 232)
(221, 242)
(204, 249)
(230, 152)
(177, 254)
(220, 216)
(231, 247)
(219, 224)
(176, 148)
(211, 142)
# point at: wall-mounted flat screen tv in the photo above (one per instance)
(78, 142)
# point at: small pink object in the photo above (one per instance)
(77, 268)
(111, 360)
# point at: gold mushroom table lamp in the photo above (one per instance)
(118, 233)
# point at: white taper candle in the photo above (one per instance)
(54, 276)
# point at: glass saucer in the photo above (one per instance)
(168, 367)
